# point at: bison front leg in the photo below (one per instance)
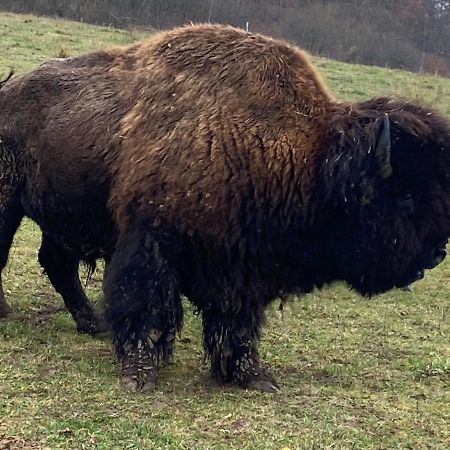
(143, 306)
(61, 267)
(230, 341)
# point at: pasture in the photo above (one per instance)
(355, 373)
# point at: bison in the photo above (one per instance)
(213, 163)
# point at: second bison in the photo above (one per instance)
(212, 162)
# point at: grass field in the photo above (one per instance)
(355, 373)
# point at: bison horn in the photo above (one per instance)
(383, 149)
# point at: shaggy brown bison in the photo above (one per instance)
(211, 162)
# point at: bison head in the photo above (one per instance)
(388, 181)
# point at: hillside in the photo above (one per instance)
(355, 373)
(405, 34)
(26, 41)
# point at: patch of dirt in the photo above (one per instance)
(18, 443)
(42, 315)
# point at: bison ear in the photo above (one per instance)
(383, 148)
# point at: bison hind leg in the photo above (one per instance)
(143, 306)
(11, 214)
(61, 267)
(230, 342)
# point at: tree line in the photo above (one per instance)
(410, 34)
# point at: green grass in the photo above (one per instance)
(355, 373)
(26, 40)
(356, 82)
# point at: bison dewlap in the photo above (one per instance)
(214, 163)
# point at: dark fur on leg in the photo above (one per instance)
(230, 342)
(61, 267)
(10, 217)
(143, 306)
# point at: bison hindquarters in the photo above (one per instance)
(57, 261)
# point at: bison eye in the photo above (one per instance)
(405, 202)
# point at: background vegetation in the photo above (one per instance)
(413, 34)
(355, 373)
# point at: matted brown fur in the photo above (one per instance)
(243, 101)
(214, 163)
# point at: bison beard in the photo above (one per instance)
(214, 163)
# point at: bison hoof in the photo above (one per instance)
(95, 326)
(263, 386)
(263, 383)
(260, 380)
(5, 309)
(137, 384)
(137, 375)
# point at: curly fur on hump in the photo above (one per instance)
(214, 163)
